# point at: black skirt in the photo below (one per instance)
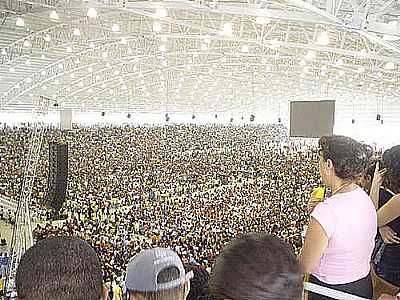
(361, 288)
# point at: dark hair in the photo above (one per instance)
(60, 268)
(199, 282)
(350, 158)
(256, 266)
(391, 161)
(371, 168)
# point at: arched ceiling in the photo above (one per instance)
(200, 56)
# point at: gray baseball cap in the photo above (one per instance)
(143, 270)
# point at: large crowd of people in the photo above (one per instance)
(190, 188)
(195, 189)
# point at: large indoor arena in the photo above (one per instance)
(200, 150)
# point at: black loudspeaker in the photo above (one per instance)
(58, 175)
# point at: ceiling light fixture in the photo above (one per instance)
(339, 62)
(389, 65)
(227, 29)
(161, 12)
(27, 44)
(157, 27)
(54, 15)
(76, 32)
(245, 49)
(20, 22)
(310, 55)
(115, 28)
(92, 12)
(263, 20)
(323, 39)
(124, 41)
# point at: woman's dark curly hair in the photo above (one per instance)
(350, 158)
(391, 161)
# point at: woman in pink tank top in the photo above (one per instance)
(340, 236)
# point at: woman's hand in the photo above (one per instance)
(388, 235)
(379, 176)
(313, 202)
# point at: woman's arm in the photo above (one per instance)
(315, 244)
(389, 211)
(376, 184)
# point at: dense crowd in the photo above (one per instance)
(187, 187)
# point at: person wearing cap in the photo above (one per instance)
(157, 274)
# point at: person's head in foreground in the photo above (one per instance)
(199, 282)
(60, 268)
(157, 274)
(256, 266)
(342, 160)
(391, 162)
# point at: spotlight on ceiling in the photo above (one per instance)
(103, 113)
(389, 66)
(157, 27)
(263, 20)
(216, 116)
(20, 22)
(323, 39)
(54, 15)
(92, 13)
(227, 29)
(115, 28)
(161, 12)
